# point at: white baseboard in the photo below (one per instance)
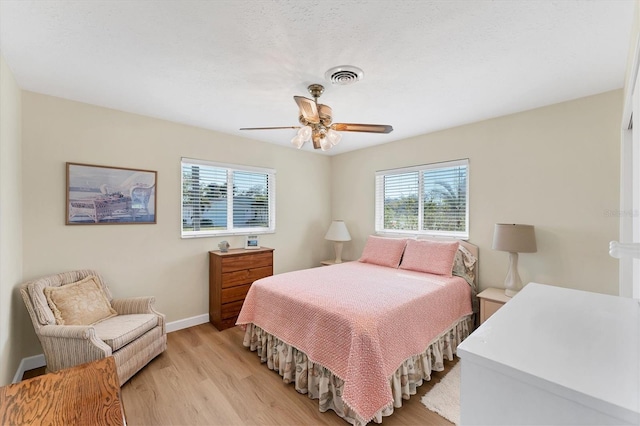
(187, 322)
(27, 364)
(38, 361)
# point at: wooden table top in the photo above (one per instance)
(88, 394)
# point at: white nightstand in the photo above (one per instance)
(331, 262)
(491, 300)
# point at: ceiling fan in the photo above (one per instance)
(316, 123)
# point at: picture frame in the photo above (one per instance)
(251, 242)
(105, 195)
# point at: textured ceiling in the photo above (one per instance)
(224, 65)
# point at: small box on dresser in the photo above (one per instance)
(230, 277)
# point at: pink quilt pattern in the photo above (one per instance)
(360, 321)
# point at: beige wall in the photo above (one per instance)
(153, 259)
(555, 167)
(10, 224)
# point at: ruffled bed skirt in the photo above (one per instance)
(320, 383)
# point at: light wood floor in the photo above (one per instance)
(207, 377)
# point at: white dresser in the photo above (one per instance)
(554, 356)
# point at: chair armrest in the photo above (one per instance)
(137, 305)
(68, 331)
(134, 305)
(65, 346)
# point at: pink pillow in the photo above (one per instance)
(383, 251)
(434, 257)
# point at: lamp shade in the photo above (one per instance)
(514, 238)
(338, 232)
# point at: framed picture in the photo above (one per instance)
(251, 242)
(101, 195)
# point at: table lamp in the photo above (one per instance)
(514, 239)
(338, 233)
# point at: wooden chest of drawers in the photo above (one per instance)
(230, 277)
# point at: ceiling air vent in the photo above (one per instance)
(344, 74)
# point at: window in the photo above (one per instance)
(431, 199)
(209, 208)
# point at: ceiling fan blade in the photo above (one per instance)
(367, 128)
(308, 109)
(325, 114)
(270, 128)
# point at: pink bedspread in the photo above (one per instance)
(361, 321)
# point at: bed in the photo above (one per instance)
(362, 336)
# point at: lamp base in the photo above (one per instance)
(513, 283)
(510, 292)
(337, 245)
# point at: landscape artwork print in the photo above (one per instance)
(100, 195)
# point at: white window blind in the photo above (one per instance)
(431, 199)
(210, 208)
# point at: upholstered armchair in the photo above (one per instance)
(78, 321)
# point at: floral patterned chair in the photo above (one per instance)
(78, 321)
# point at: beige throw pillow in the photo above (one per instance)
(80, 303)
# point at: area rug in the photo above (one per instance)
(444, 397)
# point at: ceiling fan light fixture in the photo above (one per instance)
(333, 137)
(305, 133)
(316, 121)
(297, 141)
(325, 144)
